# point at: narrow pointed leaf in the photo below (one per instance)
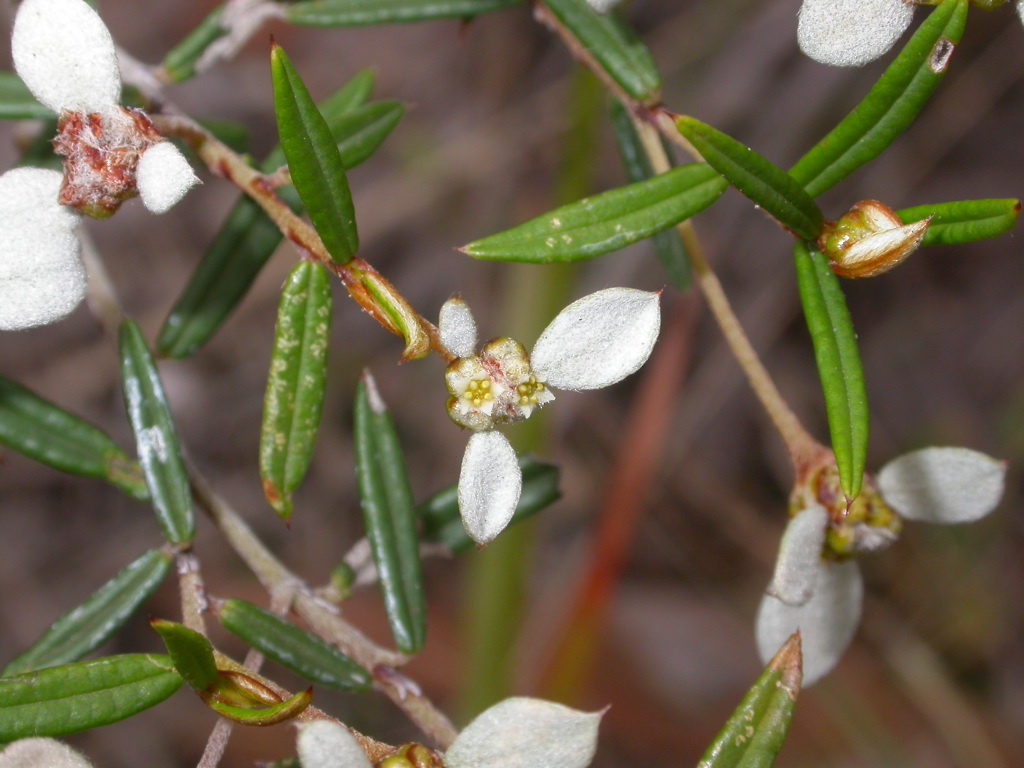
(248, 237)
(763, 182)
(85, 628)
(755, 732)
(351, 13)
(965, 221)
(190, 652)
(17, 102)
(313, 160)
(667, 244)
(180, 62)
(295, 385)
(613, 44)
(838, 360)
(75, 697)
(155, 438)
(606, 222)
(294, 648)
(440, 513)
(890, 106)
(43, 431)
(390, 517)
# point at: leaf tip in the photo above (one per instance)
(789, 661)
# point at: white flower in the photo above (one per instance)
(594, 342)
(65, 55)
(515, 733)
(849, 33)
(41, 753)
(822, 597)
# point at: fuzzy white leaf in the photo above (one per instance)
(65, 55)
(943, 485)
(849, 33)
(489, 485)
(323, 744)
(457, 328)
(164, 176)
(799, 561)
(41, 275)
(41, 753)
(598, 340)
(826, 622)
(526, 733)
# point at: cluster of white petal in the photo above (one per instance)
(822, 598)
(594, 342)
(849, 33)
(41, 753)
(66, 57)
(515, 733)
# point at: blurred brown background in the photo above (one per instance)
(936, 675)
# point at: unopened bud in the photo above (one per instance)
(386, 305)
(869, 239)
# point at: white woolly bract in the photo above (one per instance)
(163, 176)
(41, 753)
(798, 564)
(603, 6)
(41, 276)
(598, 340)
(943, 485)
(489, 485)
(323, 744)
(826, 622)
(457, 328)
(849, 33)
(65, 55)
(526, 733)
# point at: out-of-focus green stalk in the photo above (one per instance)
(497, 575)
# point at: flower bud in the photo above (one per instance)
(869, 239)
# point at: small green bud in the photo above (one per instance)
(869, 239)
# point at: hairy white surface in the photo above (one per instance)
(41, 753)
(799, 561)
(849, 33)
(943, 485)
(457, 328)
(164, 176)
(41, 275)
(598, 340)
(323, 744)
(526, 733)
(826, 622)
(489, 485)
(65, 55)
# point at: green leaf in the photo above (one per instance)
(330, 13)
(606, 222)
(667, 244)
(835, 350)
(614, 46)
(262, 716)
(38, 150)
(180, 62)
(965, 221)
(440, 513)
(890, 106)
(313, 160)
(17, 102)
(755, 732)
(44, 432)
(764, 183)
(295, 385)
(75, 697)
(191, 654)
(294, 648)
(155, 438)
(82, 630)
(389, 517)
(248, 237)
